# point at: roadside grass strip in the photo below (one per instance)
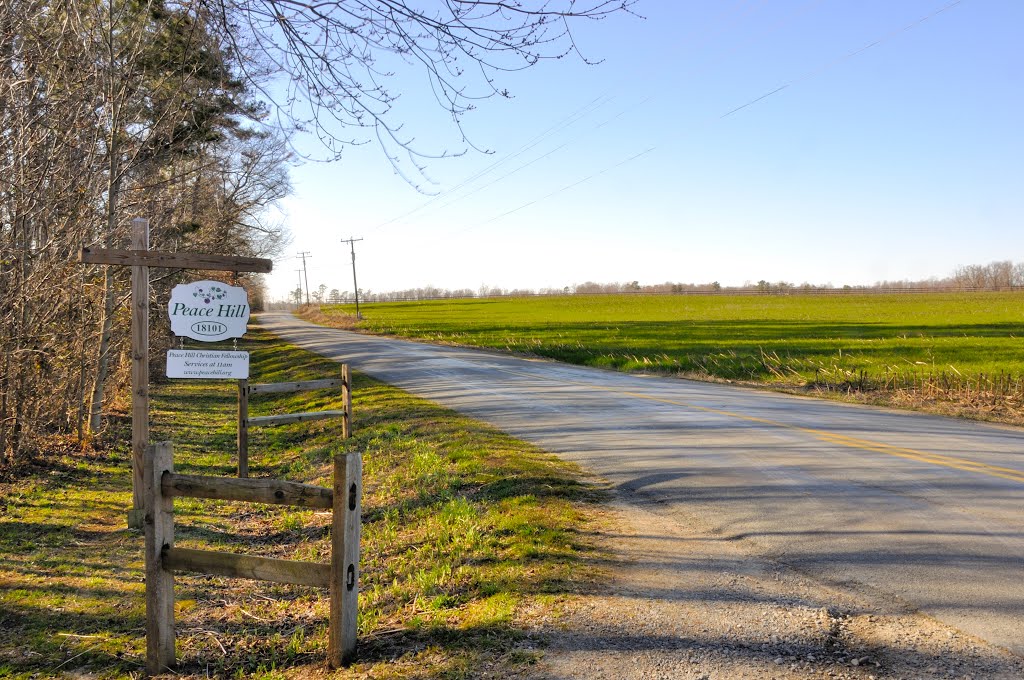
(465, 532)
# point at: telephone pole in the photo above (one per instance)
(304, 254)
(298, 298)
(352, 245)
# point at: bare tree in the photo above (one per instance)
(999, 275)
(340, 56)
(47, 189)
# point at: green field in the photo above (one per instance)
(825, 340)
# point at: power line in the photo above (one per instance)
(803, 78)
(573, 118)
(547, 154)
(562, 124)
(553, 193)
(640, 103)
(835, 62)
(568, 121)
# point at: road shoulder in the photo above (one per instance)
(685, 604)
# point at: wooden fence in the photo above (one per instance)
(341, 576)
(245, 390)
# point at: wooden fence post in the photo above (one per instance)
(159, 527)
(140, 369)
(243, 428)
(344, 585)
(346, 400)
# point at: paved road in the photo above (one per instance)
(923, 510)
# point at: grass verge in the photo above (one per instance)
(949, 352)
(469, 538)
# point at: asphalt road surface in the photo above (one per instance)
(923, 510)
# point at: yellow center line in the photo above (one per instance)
(942, 460)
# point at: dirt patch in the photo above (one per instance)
(313, 314)
(688, 606)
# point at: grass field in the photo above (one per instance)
(957, 341)
(467, 533)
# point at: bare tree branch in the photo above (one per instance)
(338, 58)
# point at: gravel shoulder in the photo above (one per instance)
(683, 603)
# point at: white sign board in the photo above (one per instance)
(207, 364)
(208, 311)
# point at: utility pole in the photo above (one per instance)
(352, 245)
(304, 254)
(298, 298)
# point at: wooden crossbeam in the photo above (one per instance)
(156, 258)
(260, 490)
(247, 566)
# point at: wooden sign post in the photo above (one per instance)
(140, 258)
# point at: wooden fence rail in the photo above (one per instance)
(287, 418)
(247, 566)
(251, 490)
(245, 390)
(340, 576)
(285, 387)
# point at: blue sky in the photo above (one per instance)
(902, 160)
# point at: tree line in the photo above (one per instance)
(110, 111)
(995, 276)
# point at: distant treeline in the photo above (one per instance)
(995, 276)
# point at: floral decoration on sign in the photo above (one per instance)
(209, 293)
